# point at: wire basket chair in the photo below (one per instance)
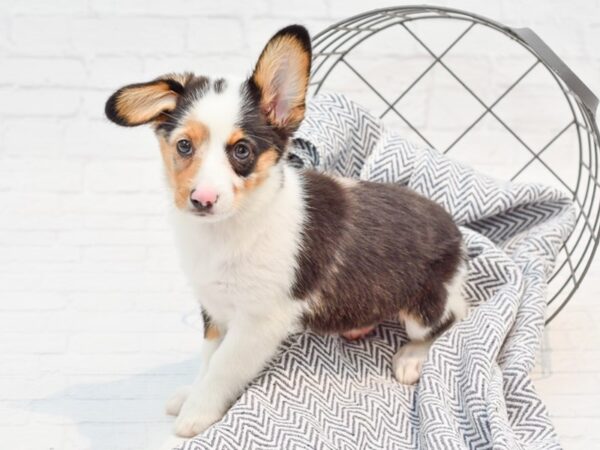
(433, 72)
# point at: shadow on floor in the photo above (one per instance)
(123, 414)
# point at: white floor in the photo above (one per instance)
(93, 369)
(568, 372)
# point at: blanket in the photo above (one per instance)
(323, 392)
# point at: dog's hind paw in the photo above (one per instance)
(408, 361)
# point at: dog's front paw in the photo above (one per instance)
(177, 400)
(408, 361)
(193, 419)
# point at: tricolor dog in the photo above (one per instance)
(270, 249)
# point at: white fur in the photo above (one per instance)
(455, 302)
(415, 331)
(408, 361)
(175, 402)
(219, 112)
(241, 270)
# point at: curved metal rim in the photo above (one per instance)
(417, 8)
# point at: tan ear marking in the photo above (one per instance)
(144, 103)
(141, 103)
(282, 74)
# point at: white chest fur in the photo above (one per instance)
(245, 265)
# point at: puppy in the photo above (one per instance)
(271, 250)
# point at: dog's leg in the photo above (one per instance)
(175, 402)
(408, 361)
(248, 345)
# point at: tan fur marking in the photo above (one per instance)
(184, 177)
(195, 131)
(266, 160)
(237, 135)
(182, 171)
(144, 103)
(166, 151)
(212, 332)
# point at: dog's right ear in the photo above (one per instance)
(141, 103)
(281, 75)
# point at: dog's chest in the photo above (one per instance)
(241, 272)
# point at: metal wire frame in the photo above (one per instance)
(331, 46)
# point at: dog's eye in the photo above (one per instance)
(184, 147)
(241, 151)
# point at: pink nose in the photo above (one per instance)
(203, 198)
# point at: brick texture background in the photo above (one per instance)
(97, 325)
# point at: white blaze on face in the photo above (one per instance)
(218, 112)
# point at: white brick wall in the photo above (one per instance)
(96, 323)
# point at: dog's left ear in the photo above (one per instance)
(141, 103)
(281, 76)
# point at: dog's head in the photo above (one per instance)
(222, 139)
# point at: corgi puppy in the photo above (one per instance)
(270, 249)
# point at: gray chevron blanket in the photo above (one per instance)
(323, 392)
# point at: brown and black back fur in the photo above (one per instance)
(372, 251)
